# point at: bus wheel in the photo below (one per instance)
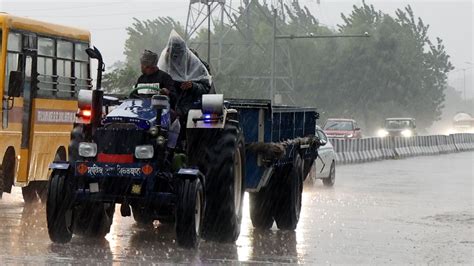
(1, 181)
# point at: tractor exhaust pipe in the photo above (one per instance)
(98, 93)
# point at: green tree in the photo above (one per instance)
(148, 34)
(398, 71)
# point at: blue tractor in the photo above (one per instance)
(123, 152)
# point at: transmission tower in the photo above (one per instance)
(213, 15)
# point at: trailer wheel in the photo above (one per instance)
(329, 182)
(141, 215)
(94, 219)
(261, 209)
(290, 189)
(189, 213)
(59, 211)
(225, 184)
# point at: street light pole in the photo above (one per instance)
(464, 82)
(209, 33)
(272, 81)
(464, 78)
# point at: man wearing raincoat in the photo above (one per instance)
(191, 77)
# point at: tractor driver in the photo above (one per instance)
(152, 74)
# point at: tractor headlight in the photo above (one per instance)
(144, 152)
(382, 133)
(407, 133)
(87, 149)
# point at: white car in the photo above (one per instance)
(325, 165)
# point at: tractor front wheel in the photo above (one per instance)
(189, 213)
(59, 204)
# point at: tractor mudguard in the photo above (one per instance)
(189, 173)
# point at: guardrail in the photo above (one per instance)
(372, 149)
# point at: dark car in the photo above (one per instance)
(398, 127)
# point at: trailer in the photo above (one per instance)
(281, 146)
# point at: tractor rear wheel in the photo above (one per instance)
(225, 183)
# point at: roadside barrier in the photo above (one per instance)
(372, 149)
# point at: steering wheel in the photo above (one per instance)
(135, 95)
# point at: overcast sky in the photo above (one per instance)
(450, 20)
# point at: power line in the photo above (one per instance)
(103, 15)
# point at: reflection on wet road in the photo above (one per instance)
(418, 210)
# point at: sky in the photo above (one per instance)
(451, 20)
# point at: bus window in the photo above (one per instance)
(14, 42)
(80, 52)
(81, 66)
(81, 70)
(65, 49)
(13, 56)
(45, 67)
(64, 69)
(45, 46)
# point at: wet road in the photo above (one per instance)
(418, 210)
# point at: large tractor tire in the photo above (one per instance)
(289, 187)
(94, 219)
(224, 168)
(261, 208)
(189, 213)
(142, 215)
(59, 212)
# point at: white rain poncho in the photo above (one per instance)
(180, 63)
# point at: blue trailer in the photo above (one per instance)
(281, 146)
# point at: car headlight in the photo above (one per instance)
(407, 133)
(144, 152)
(382, 133)
(87, 149)
(350, 136)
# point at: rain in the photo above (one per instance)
(236, 132)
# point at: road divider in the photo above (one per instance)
(372, 149)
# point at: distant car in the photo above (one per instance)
(325, 165)
(462, 123)
(398, 127)
(342, 128)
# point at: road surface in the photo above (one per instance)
(417, 210)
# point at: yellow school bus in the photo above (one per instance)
(42, 67)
